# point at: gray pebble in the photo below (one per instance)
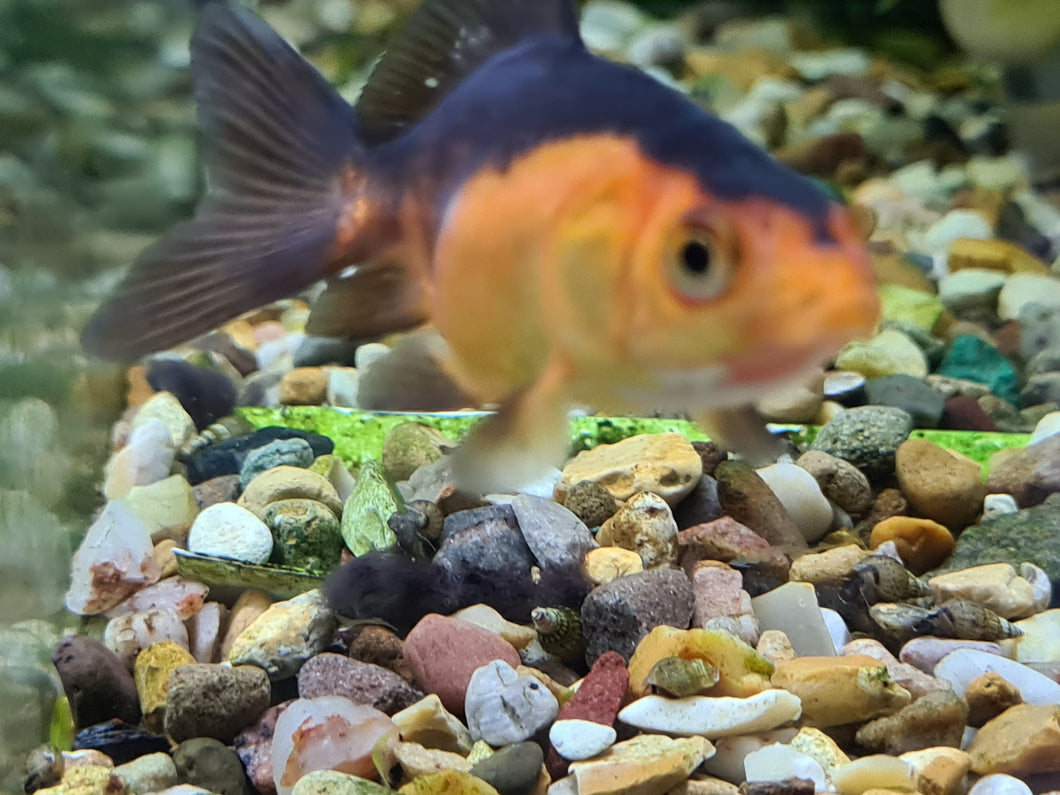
(210, 764)
(868, 437)
(616, 616)
(910, 394)
(503, 707)
(282, 452)
(513, 770)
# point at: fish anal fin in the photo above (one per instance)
(442, 43)
(743, 430)
(516, 447)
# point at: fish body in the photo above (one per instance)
(574, 231)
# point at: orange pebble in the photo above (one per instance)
(922, 543)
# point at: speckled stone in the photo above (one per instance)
(214, 701)
(305, 534)
(210, 764)
(940, 484)
(644, 525)
(286, 635)
(330, 674)
(867, 437)
(934, 719)
(840, 481)
(616, 616)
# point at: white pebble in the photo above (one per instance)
(1026, 288)
(961, 667)
(1040, 641)
(782, 762)
(1047, 426)
(953, 225)
(503, 707)
(995, 505)
(713, 717)
(837, 628)
(801, 496)
(226, 530)
(999, 784)
(874, 772)
(581, 739)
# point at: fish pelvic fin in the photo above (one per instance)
(443, 42)
(276, 141)
(516, 446)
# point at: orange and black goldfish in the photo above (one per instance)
(576, 232)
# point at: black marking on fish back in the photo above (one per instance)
(275, 138)
(444, 42)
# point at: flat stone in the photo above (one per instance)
(576, 739)
(960, 668)
(713, 717)
(448, 782)
(917, 682)
(987, 697)
(370, 505)
(295, 452)
(887, 353)
(616, 616)
(287, 634)
(519, 635)
(513, 770)
(925, 653)
(935, 719)
(838, 690)
(167, 507)
(558, 539)
(922, 544)
(793, 609)
(775, 764)
(665, 464)
(645, 764)
(183, 597)
(1030, 474)
(941, 771)
(1022, 740)
(416, 760)
(875, 772)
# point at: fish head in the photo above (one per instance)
(710, 302)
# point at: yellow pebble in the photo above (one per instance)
(1000, 255)
(607, 564)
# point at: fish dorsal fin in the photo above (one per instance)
(442, 43)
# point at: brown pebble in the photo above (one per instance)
(935, 719)
(746, 498)
(711, 454)
(304, 386)
(888, 503)
(380, 646)
(988, 696)
(994, 254)
(940, 484)
(963, 413)
(591, 502)
(922, 543)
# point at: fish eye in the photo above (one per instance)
(700, 265)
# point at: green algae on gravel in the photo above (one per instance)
(359, 435)
(228, 578)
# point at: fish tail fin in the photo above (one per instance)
(277, 140)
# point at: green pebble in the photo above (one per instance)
(976, 360)
(364, 518)
(306, 534)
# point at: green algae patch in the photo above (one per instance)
(228, 578)
(359, 435)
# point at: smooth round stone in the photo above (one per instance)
(306, 534)
(840, 481)
(513, 770)
(956, 224)
(999, 784)
(925, 653)
(713, 717)
(1047, 426)
(581, 739)
(995, 505)
(294, 452)
(503, 707)
(210, 764)
(940, 484)
(970, 291)
(963, 666)
(874, 772)
(97, 682)
(1040, 641)
(801, 497)
(778, 763)
(227, 530)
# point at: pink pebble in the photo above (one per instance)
(443, 653)
(925, 653)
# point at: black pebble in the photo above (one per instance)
(205, 394)
(227, 457)
(120, 741)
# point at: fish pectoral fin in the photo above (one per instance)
(371, 301)
(443, 42)
(517, 446)
(411, 378)
(743, 430)
(275, 139)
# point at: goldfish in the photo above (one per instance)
(570, 230)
